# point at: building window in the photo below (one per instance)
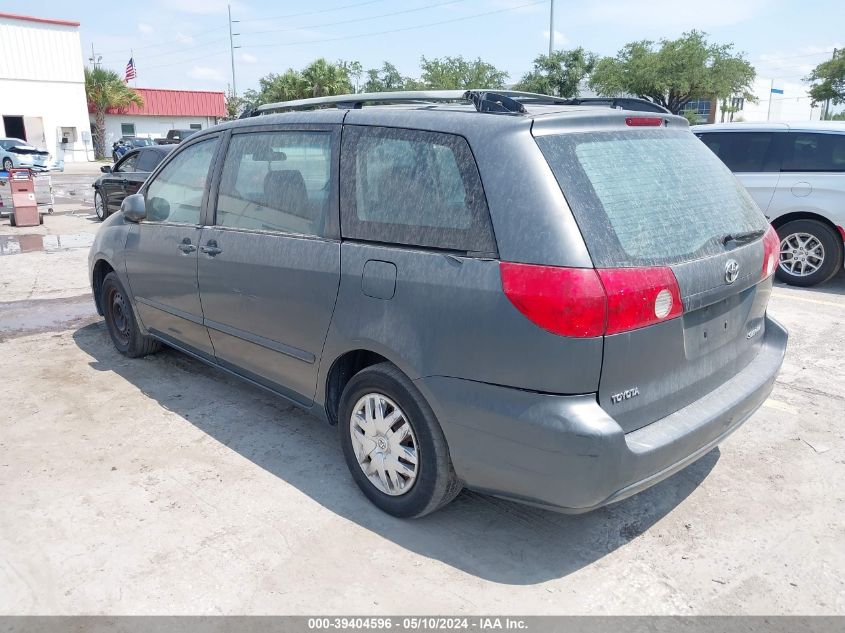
(127, 129)
(196, 126)
(700, 107)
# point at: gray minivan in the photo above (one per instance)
(554, 304)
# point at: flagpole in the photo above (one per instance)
(135, 68)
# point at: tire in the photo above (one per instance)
(821, 258)
(121, 323)
(7, 164)
(12, 219)
(435, 483)
(100, 207)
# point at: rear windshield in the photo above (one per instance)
(648, 197)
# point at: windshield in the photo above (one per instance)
(649, 197)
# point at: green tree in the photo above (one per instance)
(105, 90)
(457, 73)
(354, 71)
(560, 74)
(828, 80)
(672, 72)
(385, 79)
(839, 116)
(234, 104)
(323, 78)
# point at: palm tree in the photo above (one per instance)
(105, 90)
(324, 78)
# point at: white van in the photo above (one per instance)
(796, 174)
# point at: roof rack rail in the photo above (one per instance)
(502, 101)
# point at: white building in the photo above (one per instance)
(42, 86)
(776, 101)
(164, 110)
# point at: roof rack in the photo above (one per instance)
(501, 101)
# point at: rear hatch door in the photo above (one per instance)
(657, 199)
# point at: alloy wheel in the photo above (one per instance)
(99, 207)
(801, 254)
(385, 445)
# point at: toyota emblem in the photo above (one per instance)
(731, 271)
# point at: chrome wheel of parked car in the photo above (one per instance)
(801, 254)
(7, 164)
(385, 444)
(99, 206)
(810, 252)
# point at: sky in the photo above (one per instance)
(185, 43)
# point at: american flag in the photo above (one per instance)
(130, 70)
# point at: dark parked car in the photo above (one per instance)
(560, 305)
(125, 177)
(175, 136)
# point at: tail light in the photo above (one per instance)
(771, 252)
(586, 302)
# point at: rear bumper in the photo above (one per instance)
(567, 453)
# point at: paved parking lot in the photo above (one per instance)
(162, 486)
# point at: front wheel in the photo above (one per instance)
(121, 323)
(393, 444)
(100, 206)
(7, 164)
(810, 253)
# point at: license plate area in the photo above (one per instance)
(718, 324)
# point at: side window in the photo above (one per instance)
(742, 152)
(175, 195)
(814, 152)
(127, 164)
(147, 160)
(412, 187)
(276, 181)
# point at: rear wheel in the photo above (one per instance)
(393, 444)
(7, 164)
(120, 320)
(810, 253)
(12, 219)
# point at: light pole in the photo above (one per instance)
(551, 28)
(232, 48)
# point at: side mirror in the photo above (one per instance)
(134, 207)
(106, 169)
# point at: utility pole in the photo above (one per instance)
(771, 98)
(552, 28)
(232, 48)
(94, 59)
(827, 101)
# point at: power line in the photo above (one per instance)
(182, 50)
(158, 44)
(795, 56)
(400, 30)
(364, 19)
(298, 15)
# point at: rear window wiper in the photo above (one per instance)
(742, 238)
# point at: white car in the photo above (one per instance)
(15, 152)
(796, 174)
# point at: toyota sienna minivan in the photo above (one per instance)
(559, 305)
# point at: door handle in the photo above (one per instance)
(211, 249)
(186, 246)
(124, 182)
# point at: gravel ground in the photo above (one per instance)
(161, 486)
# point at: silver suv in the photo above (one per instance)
(554, 304)
(796, 174)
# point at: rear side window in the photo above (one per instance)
(814, 152)
(412, 187)
(148, 160)
(743, 152)
(653, 197)
(276, 181)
